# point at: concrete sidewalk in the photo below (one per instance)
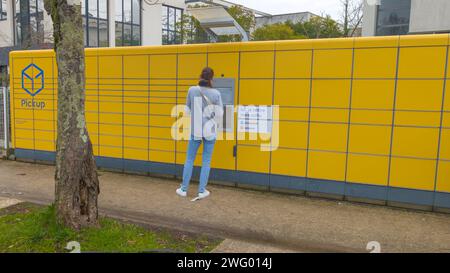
(275, 221)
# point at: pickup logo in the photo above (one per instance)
(32, 79)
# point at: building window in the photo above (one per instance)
(171, 25)
(95, 23)
(29, 27)
(3, 9)
(128, 22)
(393, 17)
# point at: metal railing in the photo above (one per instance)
(4, 121)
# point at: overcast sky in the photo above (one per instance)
(331, 7)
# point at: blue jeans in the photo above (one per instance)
(208, 147)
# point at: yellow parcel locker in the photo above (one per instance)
(225, 65)
(257, 65)
(328, 137)
(326, 165)
(443, 179)
(373, 94)
(375, 140)
(294, 93)
(333, 63)
(331, 93)
(252, 159)
(413, 173)
(422, 62)
(367, 169)
(293, 64)
(290, 162)
(415, 142)
(190, 65)
(375, 63)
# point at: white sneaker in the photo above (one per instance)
(181, 193)
(203, 195)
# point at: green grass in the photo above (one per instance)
(35, 229)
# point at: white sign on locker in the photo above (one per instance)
(255, 119)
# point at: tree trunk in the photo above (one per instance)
(76, 180)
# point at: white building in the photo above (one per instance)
(107, 22)
(400, 17)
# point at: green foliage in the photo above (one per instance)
(317, 27)
(192, 32)
(246, 20)
(275, 32)
(36, 230)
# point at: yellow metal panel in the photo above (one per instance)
(191, 65)
(161, 144)
(370, 139)
(257, 65)
(375, 63)
(223, 47)
(107, 140)
(111, 67)
(333, 43)
(256, 92)
(293, 114)
(252, 159)
(136, 108)
(413, 173)
(44, 146)
(373, 94)
(331, 93)
(135, 154)
(422, 62)
(329, 115)
(447, 94)
(424, 40)
(108, 129)
(443, 179)
(223, 155)
(163, 67)
(445, 144)
(292, 92)
(136, 131)
(326, 165)
(224, 64)
(24, 143)
(293, 134)
(91, 68)
(420, 95)
(415, 142)
(333, 63)
(258, 46)
(293, 64)
(162, 156)
(164, 133)
(373, 42)
(328, 137)
(115, 152)
(293, 45)
(446, 120)
(25, 133)
(368, 169)
(420, 118)
(377, 117)
(140, 120)
(138, 143)
(289, 162)
(161, 109)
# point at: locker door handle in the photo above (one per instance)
(235, 151)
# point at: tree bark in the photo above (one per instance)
(76, 180)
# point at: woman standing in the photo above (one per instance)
(204, 103)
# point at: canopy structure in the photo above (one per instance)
(227, 4)
(216, 21)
